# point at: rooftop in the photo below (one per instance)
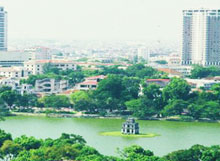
(156, 80)
(50, 61)
(90, 82)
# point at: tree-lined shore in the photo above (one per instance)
(123, 93)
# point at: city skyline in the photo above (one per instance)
(99, 20)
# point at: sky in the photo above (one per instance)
(99, 19)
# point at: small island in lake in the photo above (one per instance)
(130, 128)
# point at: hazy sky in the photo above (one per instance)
(99, 19)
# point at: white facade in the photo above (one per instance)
(201, 37)
(11, 82)
(14, 72)
(50, 86)
(3, 30)
(198, 83)
(36, 66)
(90, 83)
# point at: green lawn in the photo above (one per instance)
(118, 133)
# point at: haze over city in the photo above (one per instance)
(99, 19)
(109, 80)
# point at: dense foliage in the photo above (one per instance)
(70, 147)
(124, 91)
(202, 72)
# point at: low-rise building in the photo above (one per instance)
(90, 82)
(13, 58)
(87, 85)
(201, 83)
(170, 72)
(185, 70)
(161, 82)
(26, 89)
(51, 86)
(36, 66)
(10, 82)
(14, 72)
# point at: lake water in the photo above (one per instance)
(174, 135)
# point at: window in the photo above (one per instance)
(2, 29)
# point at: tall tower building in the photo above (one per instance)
(201, 37)
(3, 30)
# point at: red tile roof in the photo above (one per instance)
(96, 77)
(90, 82)
(169, 71)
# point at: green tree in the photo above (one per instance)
(202, 72)
(175, 107)
(142, 107)
(138, 153)
(177, 89)
(10, 97)
(153, 93)
(28, 142)
(4, 136)
(211, 109)
(131, 88)
(56, 101)
(4, 111)
(193, 154)
(10, 150)
(79, 95)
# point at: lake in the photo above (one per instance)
(174, 135)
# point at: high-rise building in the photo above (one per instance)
(3, 30)
(201, 37)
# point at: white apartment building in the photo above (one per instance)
(51, 86)
(3, 30)
(201, 37)
(14, 72)
(36, 66)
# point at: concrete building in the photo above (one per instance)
(90, 83)
(39, 53)
(26, 89)
(184, 69)
(36, 66)
(201, 37)
(51, 86)
(204, 83)
(13, 58)
(3, 30)
(161, 82)
(11, 82)
(14, 72)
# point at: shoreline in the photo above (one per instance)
(54, 115)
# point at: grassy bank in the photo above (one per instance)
(119, 134)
